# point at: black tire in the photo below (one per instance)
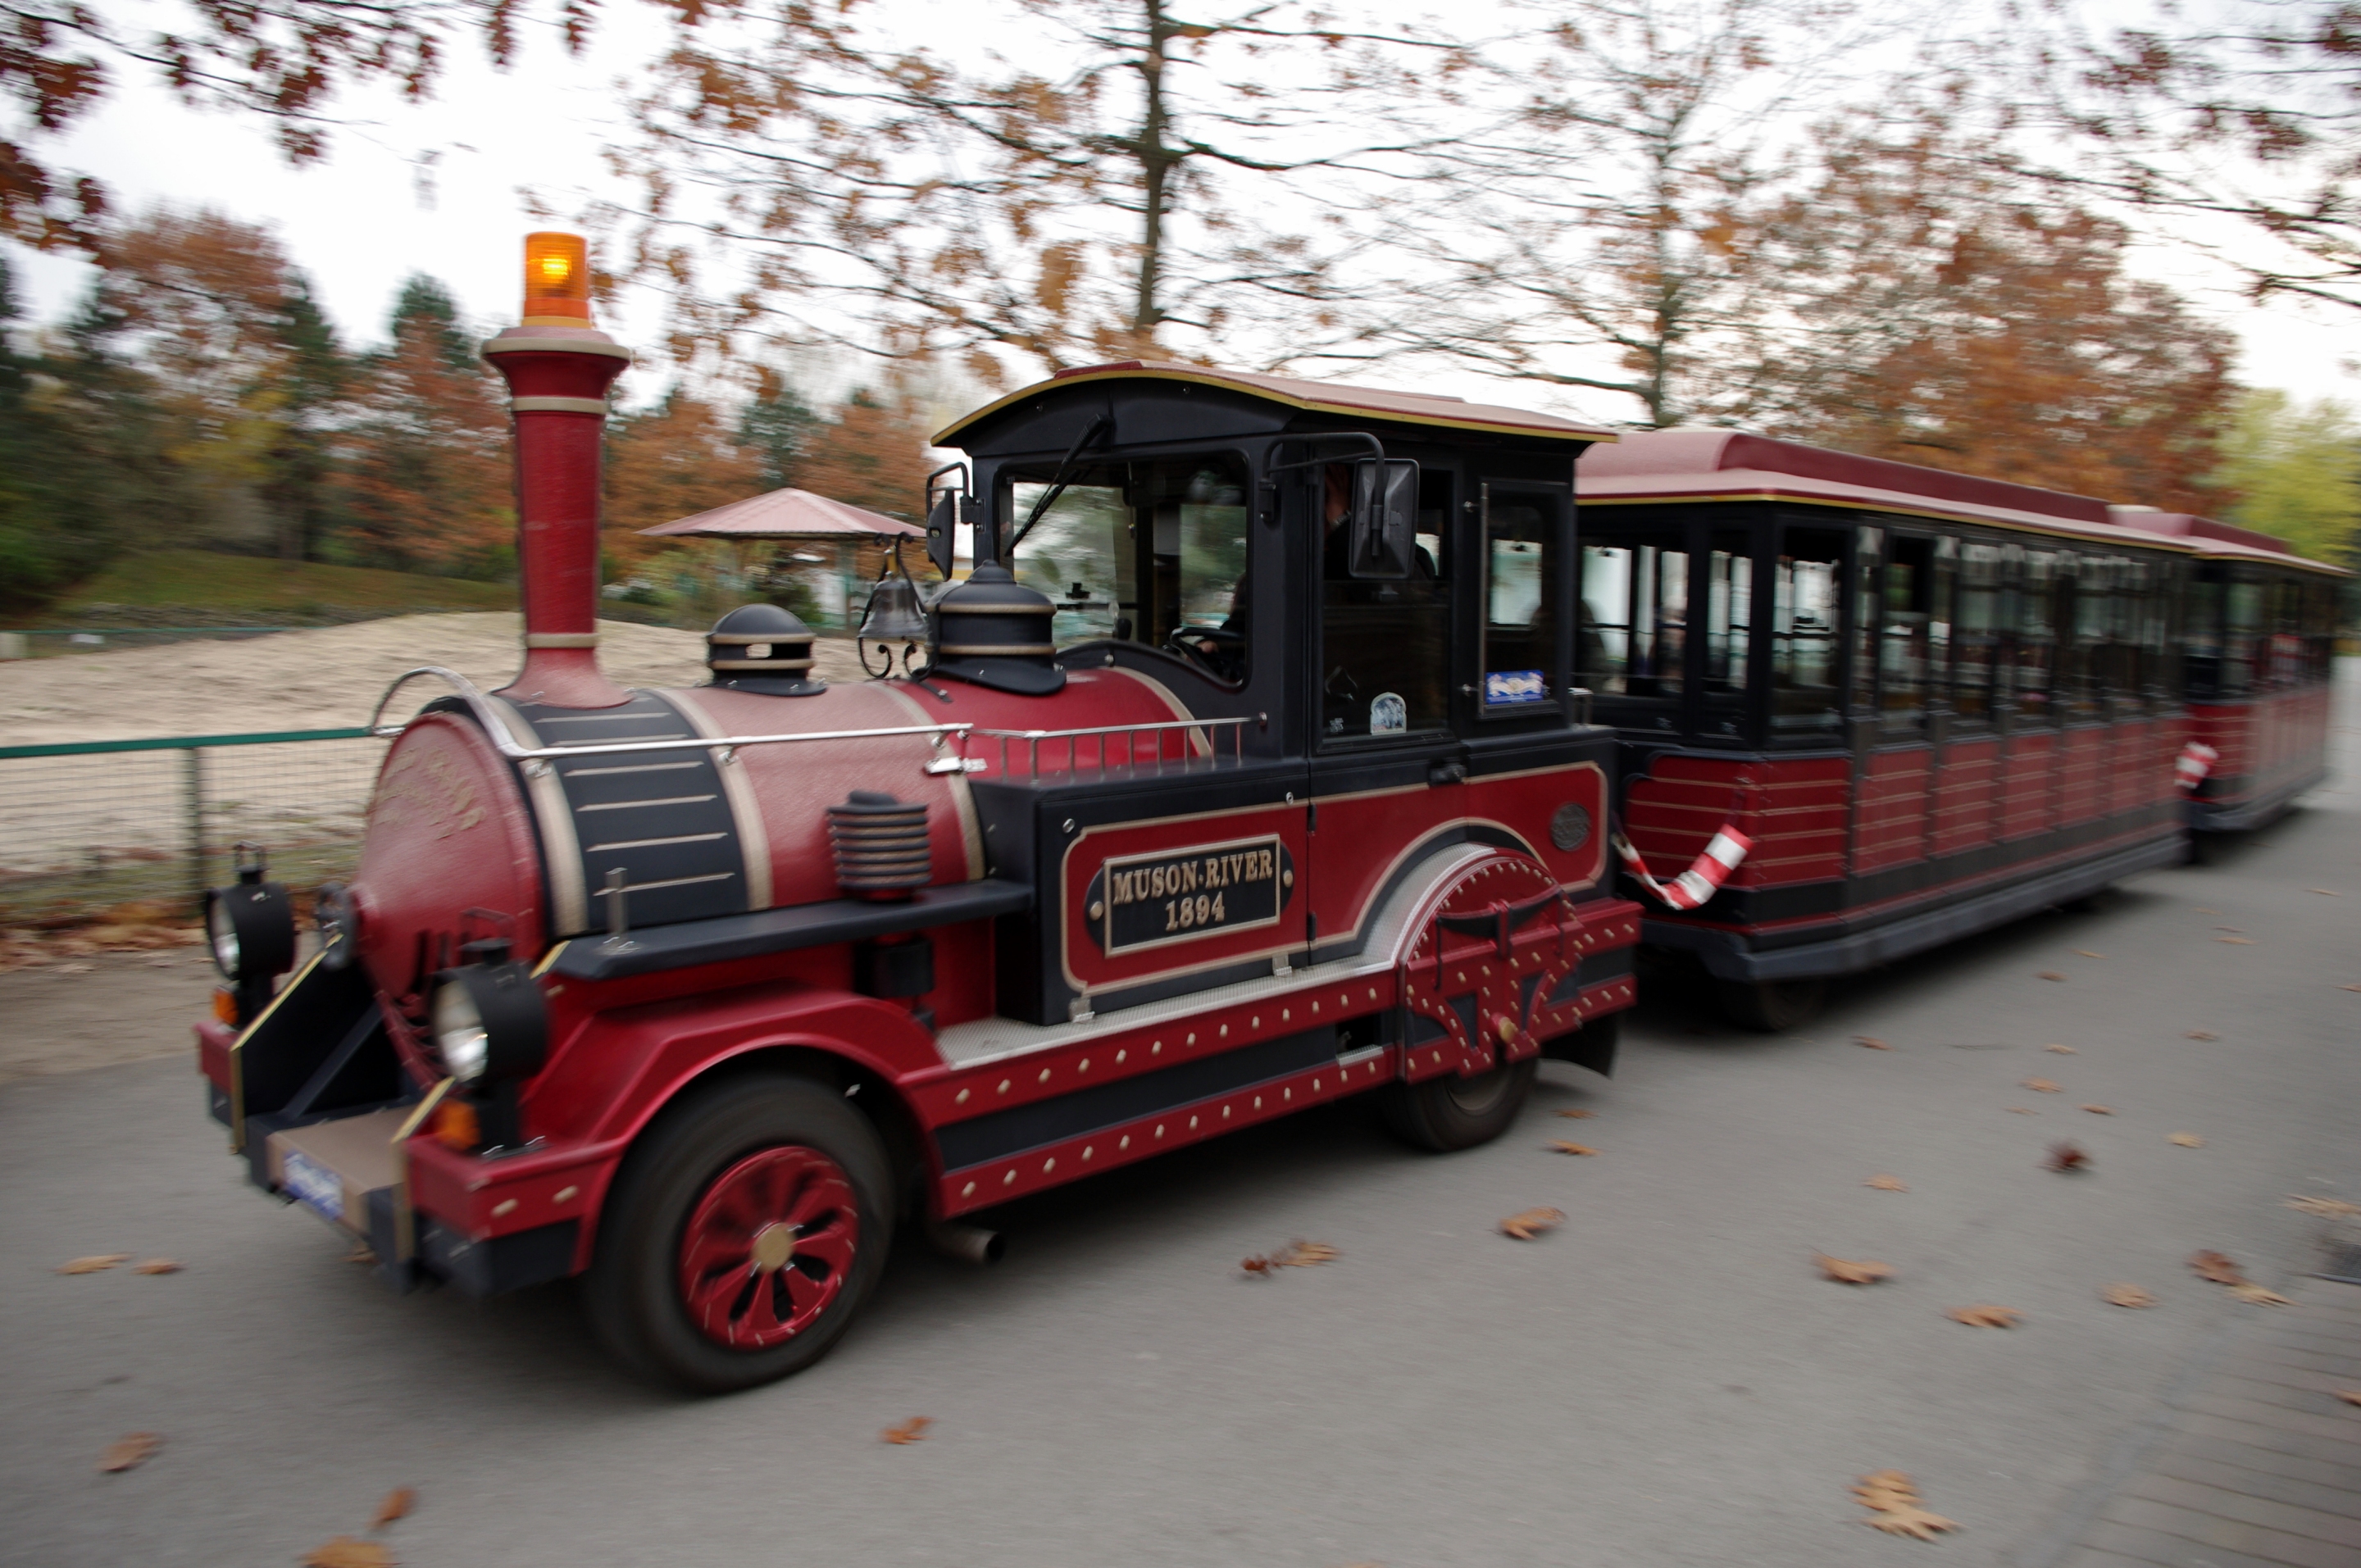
(1772, 1006)
(1454, 1112)
(634, 1290)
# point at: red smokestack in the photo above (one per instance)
(558, 367)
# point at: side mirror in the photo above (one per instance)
(947, 507)
(1384, 519)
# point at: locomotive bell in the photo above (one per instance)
(762, 648)
(995, 632)
(895, 612)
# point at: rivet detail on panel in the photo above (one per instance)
(1088, 1150)
(1004, 1086)
(505, 1206)
(1082, 1066)
(566, 1195)
(1009, 1179)
(1045, 1075)
(1049, 1164)
(969, 1190)
(963, 1097)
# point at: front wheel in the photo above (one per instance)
(1453, 1112)
(743, 1234)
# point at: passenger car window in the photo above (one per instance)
(1523, 531)
(1385, 647)
(1634, 613)
(1804, 616)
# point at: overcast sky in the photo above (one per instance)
(440, 189)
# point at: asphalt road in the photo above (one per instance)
(1666, 1380)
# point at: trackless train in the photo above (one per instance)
(1252, 767)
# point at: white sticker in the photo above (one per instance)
(315, 1187)
(1516, 686)
(1389, 714)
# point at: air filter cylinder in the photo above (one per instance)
(882, 846)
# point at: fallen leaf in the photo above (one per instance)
(2236, 941)
(1984, 1316)
(161, 1266)
(2049, 974)
(361, 1253)
(1872, 1041)
(397, 1505)
(2218, 1266)
(1578, 1116)
(2041, 1086)
(1893, 1503)
(1886, 1184)
(2209, 912)
(1524, 1227)
(912, 1430)
(2087, 953)
(2188, 1140)
(1563, 1147)
(1260, 1268)
(2349, 988)
(2257, 1295)
(2324, 892)
(1845, 1271)
(2061, 1050)
(92, 1264)
(2350, 1396)
(2023, 1111)
(2202, 1034)
(2066, 1156)
(1310, 1255)
(130, 1449)
(348, 1551)
(2098, 1110)
(2127, 1296)
(2328, 1208)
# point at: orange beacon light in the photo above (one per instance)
(557, 279)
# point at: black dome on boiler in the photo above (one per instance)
(761, 648)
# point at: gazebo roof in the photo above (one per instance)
(787, 514)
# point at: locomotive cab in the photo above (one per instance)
(1244, 773)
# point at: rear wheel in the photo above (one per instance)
(745, 1232)
(1453, 1112)
(1771, 1005)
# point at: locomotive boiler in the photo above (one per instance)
(1244, 773)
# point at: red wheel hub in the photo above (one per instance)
(768, 1247)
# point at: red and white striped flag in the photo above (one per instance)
(1697, 883)
(2196, 761)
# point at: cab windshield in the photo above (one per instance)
(1151, 551)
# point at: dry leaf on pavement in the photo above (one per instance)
(2257, 1295)
(1872, 1041)
(397, 1505)
(2188, 1140)
(361, 1253)
(2066, 1156)
(2061, 1050)
(1845, 1271)
(1893, 1502)
(1887, 1184)
(2201, 1034)
(1308, 1255)
(2350, 1396)
(912, 1430)
(2023, 1111)
(1563, 1147)
(1524, 1227)
(2087, 953)
(2327, 1207)
(1577, 1115)
(2324, 892)
(161, 1266)
(92, 1264)
(2349, 988)
(130, 1449)
(2236, 941)
(2099, 1109)
(2127, 1296)
(1984, 1315)
(349, 1552)
(2049, 974)
(2041, 1086)
(2218, 1266)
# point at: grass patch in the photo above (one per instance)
(263, 591)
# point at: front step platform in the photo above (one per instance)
(333, 1167)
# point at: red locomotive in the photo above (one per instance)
(1283, 793)
(1909, 704)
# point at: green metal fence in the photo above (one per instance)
(87, 826)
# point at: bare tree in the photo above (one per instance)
(1135, 180)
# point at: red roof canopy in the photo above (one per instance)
(787, 514)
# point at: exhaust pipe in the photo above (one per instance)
(968, 1243)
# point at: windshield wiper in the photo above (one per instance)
(1059, 480)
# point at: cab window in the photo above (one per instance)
(1523, 535)
(1385, 647)
(1152, 553)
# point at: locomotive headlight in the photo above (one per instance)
(251, 926)
(490, 1022)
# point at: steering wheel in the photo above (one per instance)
(1213, 649)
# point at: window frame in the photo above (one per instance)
(1562, 587)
